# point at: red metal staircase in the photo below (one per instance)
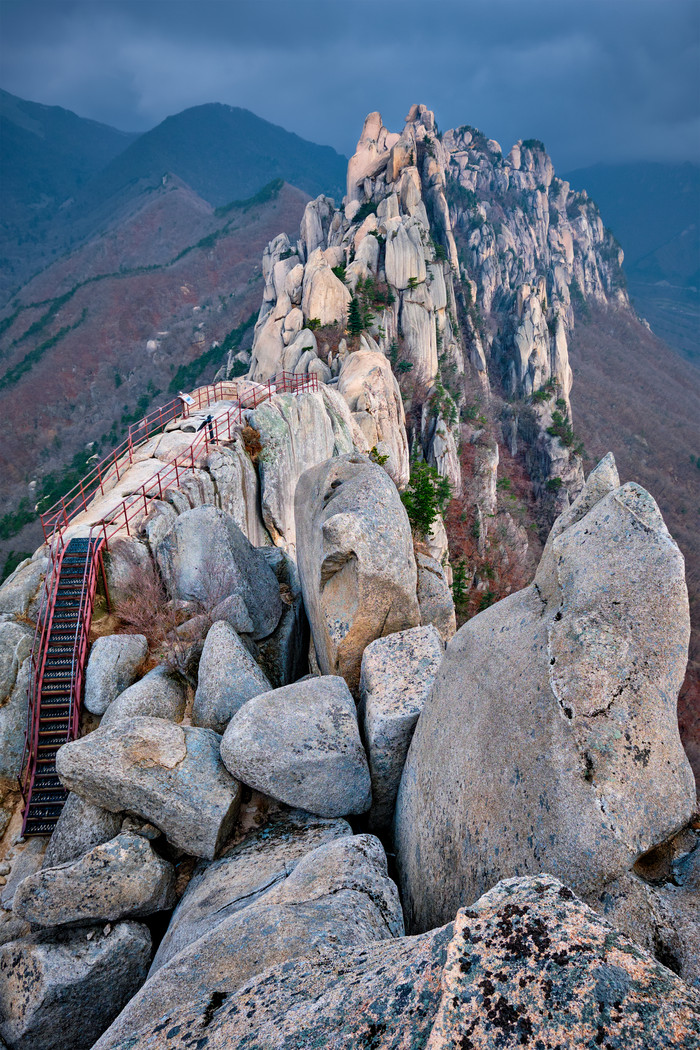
(61, 638)
(57, 664)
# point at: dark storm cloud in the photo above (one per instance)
(610, 80)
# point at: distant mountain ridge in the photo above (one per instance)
(654, 211)
(64, 178)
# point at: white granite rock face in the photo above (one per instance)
(170, 775)
(554, 712)
(356, 561)
(228, 677)
(301, 744)
(113, 666)
(397, 674)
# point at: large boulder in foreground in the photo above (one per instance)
(339, 894)
(528, 965)
(228, 676)
(550, 736)
(301, 744)
(397, 674)
(247, 872)
(60, 990)
(168, 774)
(205, 558)
(356, 562)
(123, 878)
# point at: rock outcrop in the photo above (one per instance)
(62, 989)
(528, 963)
(242, 877)
(159, 694)
(168, 774)
(113, 666)
(339, 894)
(120, 879)
(205, 558)
(228, 676)
(301, 745)
(356, 561)
(397, 674)
(550, 737)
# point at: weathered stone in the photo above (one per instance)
(237, 487)
(25, 859)
(228, 676)
(301, 744)
(369, 386)
(60, 990)
(283, 655)
(160, 694)
(528, 964)
(170, 775)
(205, 557)
(660, 910)
(125, 563)
(397, 675)
(80, 826)
(324, 295)
(356, 562)
(554, 713)
(435, 597)
(241, 878)
(296, 432)
(113, 666)
(337, 895)
(20, 589)
(13, 723)
(120, 879)
(15, 647)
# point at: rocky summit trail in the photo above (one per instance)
(370, 734)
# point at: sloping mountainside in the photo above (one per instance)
(124, 321)
(654, 211)
(224, 153)
(48, 154)
(64, 177)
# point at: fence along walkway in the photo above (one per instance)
(61, 639)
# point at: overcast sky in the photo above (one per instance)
(596, 80)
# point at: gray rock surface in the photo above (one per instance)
(241, 878)
(120, 879)
(301, 744)
(435, 597)
(337, 895)
(13, 722)
(356, 562)
(112, 667)
(238, 488)
(296, 432)
(171, 775)
(159, 694)
(527, 965)
(550, 736)
(25, 859)
(126, 561)
(60, 990)
(80, 826)
(228, 677)
(205, 557)
(397, 674)
(20, 589)
(282, 654)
